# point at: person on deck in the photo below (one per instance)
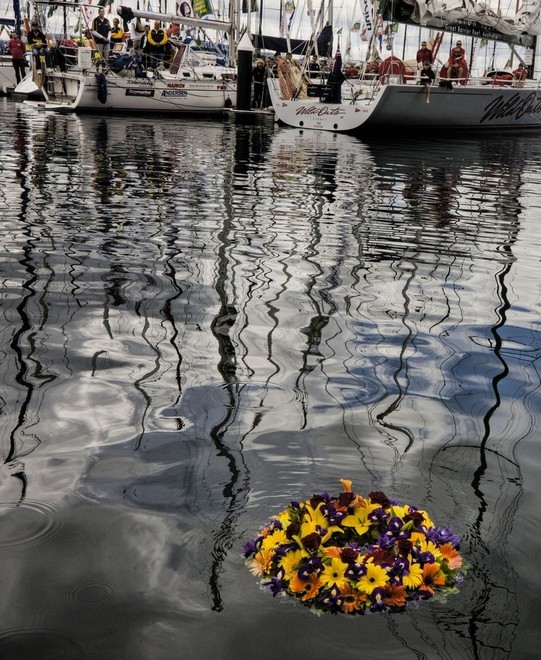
(101, 32)
(17, 49)
(313, 67)
(36, 40)
(259, 76)
(427, 74)
(458, 46)
(157, 39)
(117, 33)
(520, 73)
(423, 54)
(457, 66)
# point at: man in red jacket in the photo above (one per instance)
(17, 49)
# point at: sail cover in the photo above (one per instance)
(477, 19)
(297, 46)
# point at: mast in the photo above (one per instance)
(17, 12)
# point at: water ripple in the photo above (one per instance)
(28, 523)
(92, 593)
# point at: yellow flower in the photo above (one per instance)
(359, 518)
(376, 576)
(400, 511)
(284, 518)
(314, 521)
(278, 537)
(414, 577)
(262, 562)
(290, 562)
(428, 546)
(417, 538)
(334, 574)
(426, 519)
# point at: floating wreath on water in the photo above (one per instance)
(351, 554)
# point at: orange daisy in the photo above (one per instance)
(394, 595)
(262, 562)
(432, 577)
(454, 560)
(308, 588)
(353, 600)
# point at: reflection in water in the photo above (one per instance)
(197, 331)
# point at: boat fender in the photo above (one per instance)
(102, 87)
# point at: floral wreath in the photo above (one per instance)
(350, 554)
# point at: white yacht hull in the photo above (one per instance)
(409, 106)
(7, 77)
(80, 92)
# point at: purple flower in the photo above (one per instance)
(386, 541)
(355, 571)
(376, 599)
(333, 516)
(276, 586)
(312, 565)
(378, 516)
(282, 550)
(442, 535)
(331, 600)
(400, 567)
(252, 547)
(426, 558)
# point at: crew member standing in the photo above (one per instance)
(101, 31)
(17, 49)
(157, 38)
(259, 76)
(424, 54)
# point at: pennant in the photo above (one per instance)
(203, 7)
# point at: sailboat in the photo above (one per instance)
(390, 98)
(194, 82)
(7, 72)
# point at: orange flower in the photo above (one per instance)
(454, 560)
(308, 588)
(432, 577)
(394, 595)
(332, 551)
(353, 600)
(346, 483)
(262, 562)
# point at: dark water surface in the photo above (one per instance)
(203, 321)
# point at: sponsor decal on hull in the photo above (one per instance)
(516, 107)
(176, 85)
(148, 93)
(320, 111)
(174, 93)
(140, 82)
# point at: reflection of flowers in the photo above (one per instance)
(351, 554)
